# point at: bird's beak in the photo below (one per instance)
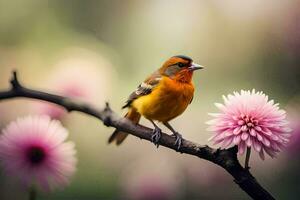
(195, 66)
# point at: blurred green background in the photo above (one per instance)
(104, 49)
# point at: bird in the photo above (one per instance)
(161, 97)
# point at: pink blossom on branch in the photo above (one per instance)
(249, 119)
(293, 109)
(79, 74)
(33, 150)
(143, 181)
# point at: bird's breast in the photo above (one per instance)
(168, 100)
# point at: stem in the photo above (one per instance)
(247, 158)
(32, 194)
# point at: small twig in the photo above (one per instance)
(226, 158)
(14, 81)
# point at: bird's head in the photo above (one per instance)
(179, 68)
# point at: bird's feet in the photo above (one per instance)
(178, 140)
(156, 135)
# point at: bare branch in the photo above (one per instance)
(226, 158)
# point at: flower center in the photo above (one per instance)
(247, 122)
(36, 155)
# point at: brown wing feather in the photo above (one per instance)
(144, 88)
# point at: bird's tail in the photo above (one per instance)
(120, 136)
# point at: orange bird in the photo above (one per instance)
(161, 97)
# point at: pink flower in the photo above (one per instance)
(32, 149)
(161, 182)
(293, 109)
(73, 90)
(249, 119)
(204, 175)
(79, 74)
(150, 187)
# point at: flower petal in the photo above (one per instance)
(237, 139)
(242, 148)
(245, 136)
(257, 145)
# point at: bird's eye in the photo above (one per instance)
(180, 64)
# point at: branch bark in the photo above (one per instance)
(227, 158)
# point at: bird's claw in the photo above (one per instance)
(178, 140)
(156, 135)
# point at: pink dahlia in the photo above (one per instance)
(161, 182)
(56, 112)
(33, 149)
(294, 118)
(249, 119)
(79, 74)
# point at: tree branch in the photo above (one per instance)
(226, 158)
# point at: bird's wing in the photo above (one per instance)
(144, 88)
